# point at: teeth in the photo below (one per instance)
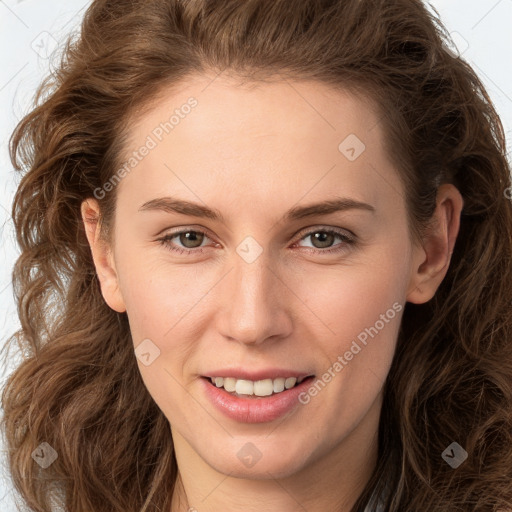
(265, 387)
(244, 387)
(290, 382)
(229, 384)
(278, 385)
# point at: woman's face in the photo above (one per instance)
(262, 285)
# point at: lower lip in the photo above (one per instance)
(254, 410)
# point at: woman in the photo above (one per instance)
(266, 256)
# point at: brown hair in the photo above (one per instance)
(78, 387)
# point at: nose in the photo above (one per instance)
(256, 303)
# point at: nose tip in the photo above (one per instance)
(257, 308)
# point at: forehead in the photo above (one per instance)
(225, 104)
(282, 138)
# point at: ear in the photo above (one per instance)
(432, 259)
(102, 256)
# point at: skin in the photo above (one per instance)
(253, 152)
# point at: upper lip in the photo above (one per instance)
(255, 375)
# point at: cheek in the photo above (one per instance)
(158, 293)
(357, 313)
(362, 312)
(355, 307)
(352, 296)
(160, 310)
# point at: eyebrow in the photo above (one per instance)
(174, 205)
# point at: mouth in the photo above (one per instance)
(256, 401)
(244, 388)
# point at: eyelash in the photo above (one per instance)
(348, 240)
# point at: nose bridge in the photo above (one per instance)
(255, 301)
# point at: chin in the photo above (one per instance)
(271, 464)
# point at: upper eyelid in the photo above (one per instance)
(308, 231)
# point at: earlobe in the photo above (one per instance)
(102, 256)
(432, 260)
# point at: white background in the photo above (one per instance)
(31, 29)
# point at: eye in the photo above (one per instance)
(324, 238)
(191, 240)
